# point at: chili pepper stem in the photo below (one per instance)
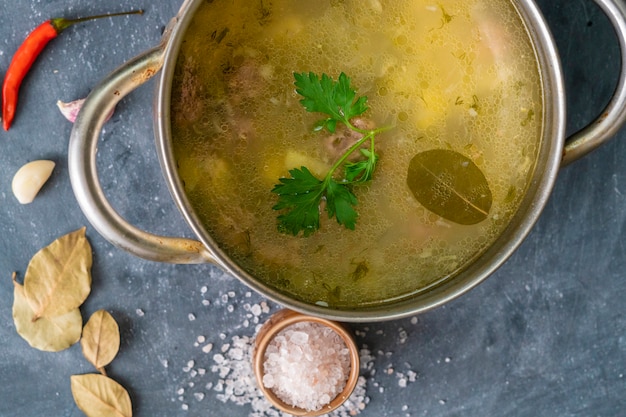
(61, 23)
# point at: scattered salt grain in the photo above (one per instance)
(139, 312)
(402, 336)
(191, 317)
(236, 354)
(180, 391)
(219, 387)
(185, 407)
(199, 396)
(256, 310)
(306, 365)
(201, 339)
(207, 348)
(206, 303)
(204, 289)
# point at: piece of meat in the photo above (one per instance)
(336, 144)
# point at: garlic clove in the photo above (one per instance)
(29, 179)
(70, 110)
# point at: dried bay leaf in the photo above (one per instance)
(58, 277)
(101, 340)
(100, 396)
(450, 185)
(48, 334)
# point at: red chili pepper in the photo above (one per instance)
(26, 55)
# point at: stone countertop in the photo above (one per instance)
(543, 336)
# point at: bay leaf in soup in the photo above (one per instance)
(450, 185)
(47, 334)
(101, 340)
(100, 396)
(58, 277)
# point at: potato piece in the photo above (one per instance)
(295, 159)
(29, 179)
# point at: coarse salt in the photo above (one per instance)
(256, 310)
(306, 365)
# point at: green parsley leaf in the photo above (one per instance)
(336, 99)
(300, 195)
(339, 203)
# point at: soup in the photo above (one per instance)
(456, 75)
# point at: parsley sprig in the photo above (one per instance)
(301, 195)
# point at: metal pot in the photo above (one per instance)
(555, 152)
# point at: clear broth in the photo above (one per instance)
(456, 74)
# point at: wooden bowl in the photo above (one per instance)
(280, 321)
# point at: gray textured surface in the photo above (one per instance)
(544, 336)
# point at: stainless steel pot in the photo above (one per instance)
(556, 151)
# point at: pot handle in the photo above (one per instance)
(84, 177)
(614, 115)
